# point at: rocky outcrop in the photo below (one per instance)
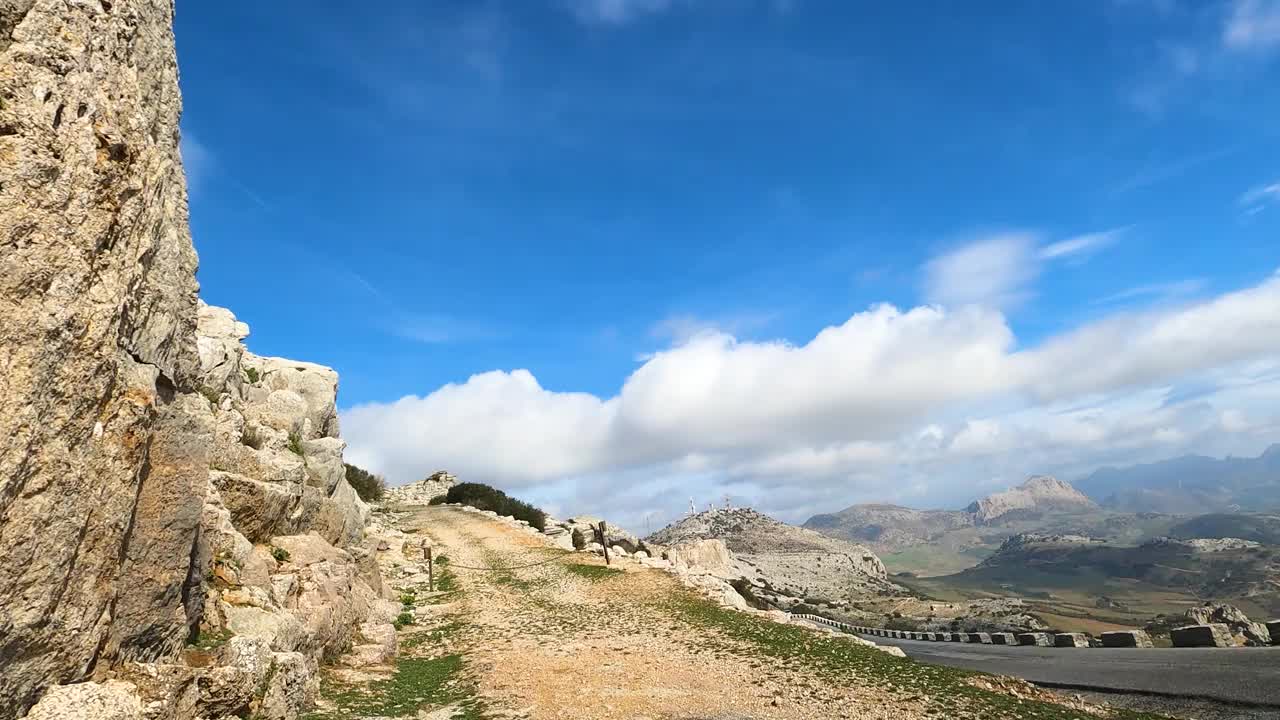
(781, 560)
(151, 476)
(1243, 630)
(1039, 494)
(435, 485)
(102, 468)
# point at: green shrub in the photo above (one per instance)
(404, 618)
(579, 540)
(295, 443)
(252, 375)
(280, 554)
(483, 497)
(438, 500)
(408, 599)
(368, 486)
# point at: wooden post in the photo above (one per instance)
(603, 539)
(431, 572)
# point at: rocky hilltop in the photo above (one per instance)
(783, 559)
(890, 527)
(180, 541)
(982, 526)
(1039, 494)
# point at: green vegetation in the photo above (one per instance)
(295, 443)
(409, 598)
(593, 573)
(210, 641)
(483, 497)
(942, 691)
(250, 436)
(417, 683)
(211, 395)
(403, 619)
(578, 539)
(252, 375)
(368, 486)
(280, 554)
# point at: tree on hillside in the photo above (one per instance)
(368, 486)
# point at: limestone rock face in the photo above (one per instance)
(1037, 494)
(276, 458)
(1244, 630)
(101, 467)
(113, 700)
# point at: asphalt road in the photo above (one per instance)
(1248, 675)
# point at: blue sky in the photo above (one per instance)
(583, 188)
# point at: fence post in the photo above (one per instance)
(602, 539)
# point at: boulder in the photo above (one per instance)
(112, 700)
(1126, 638)
(1037, 639)
(979, 637)
(1273, 627)
(1071, 640)
(1246, 631)
(708, 556)
(1003, 639)
(1209, 635)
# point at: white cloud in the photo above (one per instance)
(927, 403)
(1080, 246)
(1253, 25)
(615, 12)
(993, 272)
(197, 160)
(1257, 199)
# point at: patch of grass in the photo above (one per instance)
(433, 636)
(295, 443)
(280, 554)
(593, 573)
(417, 683)
(252, 375)
(211, 641)
(840, 661)
(409, 598)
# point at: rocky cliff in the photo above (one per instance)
(158, 488)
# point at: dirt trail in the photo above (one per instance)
(551, 642)
(536, 632)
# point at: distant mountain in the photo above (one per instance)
(890, 528)
(1191, 484)
(789, 560)
(1260, 528)
(1038, 495)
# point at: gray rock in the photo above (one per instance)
(1209, 635)
(112, 700)
(1037, 639)
(1127, 638)
(1003, 639)
(980, 637)
(1273, 627)
(1069, 640)
(1239, 624)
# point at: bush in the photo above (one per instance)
(295, 443)
(483, 497)
(280, 554)
(578, 539)
(438, 500)
(368, 486)
(404, 618)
